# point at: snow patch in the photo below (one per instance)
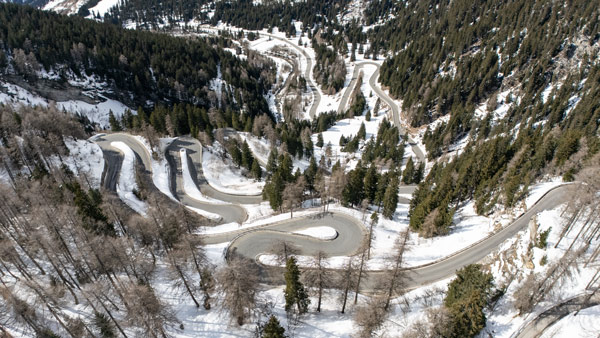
(126, 184)
(324, 233)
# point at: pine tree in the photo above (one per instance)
(272, 161)
(362, 132)
(294, 290)
(256, 170)
(371, 183)
(114, 123)
(390, 199)
(466, 298)
(320, 140)
(419, 173)
(354, 192)
(286, 167)
(236, 154)
(247, 158)
(102, 322)
(273, 329)
(409, 172)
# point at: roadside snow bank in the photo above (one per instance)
(127, 184)
(160, 169)
(189, 185)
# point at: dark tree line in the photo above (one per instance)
(138, 67)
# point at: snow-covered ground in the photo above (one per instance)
(223, 175)
(65, 7)
(585, 324)
(126, 184)
(189, 185)
(85, 158)
(512, 257)
(96, 113)
(102, 8)
(324, 233)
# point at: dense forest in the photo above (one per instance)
(464, 53)
(139, 68)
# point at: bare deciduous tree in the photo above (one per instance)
(318, 276)
(393, 280)
(369, 317)
(238, 282)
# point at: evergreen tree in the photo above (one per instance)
(285, 168)
(114, 123)
(256, 170)
(294, 290)
(409, 172)
(273, 191)
(466, 298)
(390, 199)
(273, 329)
(362, 132)
(272, 161)
(104, 325)
(354, 191)
(418, 175)
(320, 140)
(371, 183)
(247, 157)
(236, 154)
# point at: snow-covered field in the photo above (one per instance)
(223, 175)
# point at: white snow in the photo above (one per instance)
(160, 168)
(512, 256)
(189, 185)
(97, 113)
(65, 7)
(585, 324)
(126, 184)
(15, 95)
(102, 7)
(85, 158)
(324, 233)
(222, 175)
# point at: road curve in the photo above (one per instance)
(536, 327)
(228, 212)
(384, 97)
(252, 243)
(307, 73)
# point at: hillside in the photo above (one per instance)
(300, 169)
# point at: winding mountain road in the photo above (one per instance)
(384, 97)
(307, 73)
(536, 327)
(253, 241)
